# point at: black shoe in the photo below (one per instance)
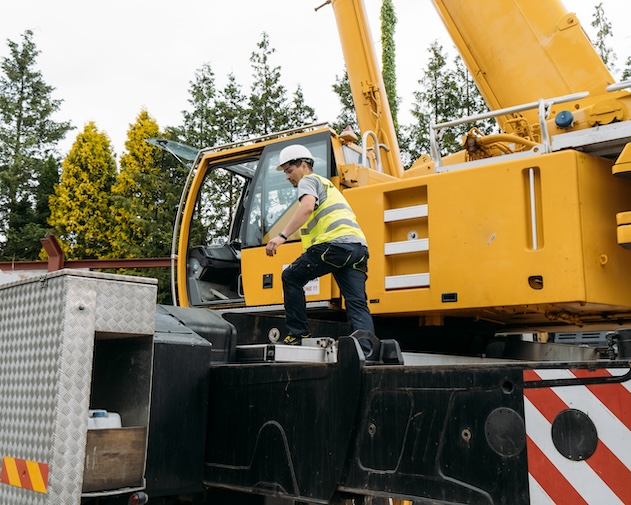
(291, 340)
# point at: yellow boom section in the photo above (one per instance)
(367, 87)
(519, 51)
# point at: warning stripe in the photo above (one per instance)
(610, 462)
(578, 474)
(24, 474)
(611, 430)
(550, 478)
(615, 397)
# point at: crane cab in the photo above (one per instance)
(235, 203)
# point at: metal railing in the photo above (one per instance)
(543, 105)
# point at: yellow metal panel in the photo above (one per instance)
(519, 51)
(624, 236)
(255, 264)
(623, 163)
(481, 244)
(607, 265)
(367, 87)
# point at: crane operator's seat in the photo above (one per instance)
(214, 273)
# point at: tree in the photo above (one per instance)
(28, 137)
(267, 108)
(28, 223)
(603, 32)
(626, 72)
(437, 101)
(301, 113)
(389, 71)
(224, 120)
(447, 93)
(200, 125)
(470, 101)
(230, 113)
(80, 209)
(136, 195)
(144, 202)
(347, 116)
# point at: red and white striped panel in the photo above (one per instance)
(604, 477)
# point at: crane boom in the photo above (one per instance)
(520, 51)
(367, 86)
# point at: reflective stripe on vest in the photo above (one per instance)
(332, 219)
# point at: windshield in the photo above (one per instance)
(271, 194)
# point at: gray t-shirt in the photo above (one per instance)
(313, 186)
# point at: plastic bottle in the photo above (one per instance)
(100, 419)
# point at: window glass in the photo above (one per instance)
(271, 194)
(218, 202)
(351, 156)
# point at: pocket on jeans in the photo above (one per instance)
(336, 256)
(362, 264)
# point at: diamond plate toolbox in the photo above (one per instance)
(49, 327)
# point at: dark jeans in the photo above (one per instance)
(348, 263)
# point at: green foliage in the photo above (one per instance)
(28, 137)
(603, 32)
(137, 194)
(347, 116)
(144, 201)
(200, 126)
(448, 92)
(626, 72)
(80, 209)
(229, 113)
(300, 113)
(389, 70)
(267, 105)
(226, 116)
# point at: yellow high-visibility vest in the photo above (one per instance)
(333, 219)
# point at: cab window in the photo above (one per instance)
(271, 195)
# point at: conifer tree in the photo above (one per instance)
(137, 198)
(224, 120)
(448, 93)
(81, 205)
(200, 125)
(230, 113)
(144, 202)
(469, 100)
(626, 72)
(268, 110)
(347, 116)
(603, 32)
(28, 137)
(300, 113)
(435, 102)
(388, 51)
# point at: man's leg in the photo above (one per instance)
(307, 267)
(352, 282)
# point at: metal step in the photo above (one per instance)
(312, 350)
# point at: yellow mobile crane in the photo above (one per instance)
(524, 229)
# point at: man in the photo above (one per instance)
(333, 243)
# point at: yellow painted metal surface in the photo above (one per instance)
(256, 264)
(528, 240)
(519, 51)
(483, 255)
(367, 87)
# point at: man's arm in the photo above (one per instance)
(304, 210)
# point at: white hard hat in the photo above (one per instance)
(294, 152)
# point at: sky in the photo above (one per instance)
(109, 60)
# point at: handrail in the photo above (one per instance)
(543, 105)
(377, 147)
(619, 85)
